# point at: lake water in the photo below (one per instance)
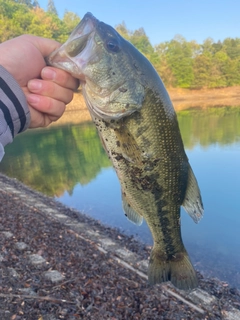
(68, 162)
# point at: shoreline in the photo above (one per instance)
(182, 99)
(186, 98)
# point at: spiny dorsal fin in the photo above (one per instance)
(132, 215)
(193, 201)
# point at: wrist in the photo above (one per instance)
(5, 59)
(14, 112)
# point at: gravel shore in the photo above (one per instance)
(56, 263)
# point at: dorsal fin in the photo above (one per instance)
(192, 202)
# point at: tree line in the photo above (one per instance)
(25, 16)
(180, 63)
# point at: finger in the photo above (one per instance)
(60, 77)
(45, 105)
(38, 119)
(51, 90)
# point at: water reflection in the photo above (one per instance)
(68, 162)
(56, 159)
(210, 126)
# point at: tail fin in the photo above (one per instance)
(178, 270)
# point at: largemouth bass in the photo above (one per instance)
(139, 130)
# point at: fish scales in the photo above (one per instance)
(147, 174)
(139, 130)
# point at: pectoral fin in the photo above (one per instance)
(129, 148)
(132, 215)
(193, 201)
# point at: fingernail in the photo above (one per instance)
(32, 98)
(34, 85)
(48, 73)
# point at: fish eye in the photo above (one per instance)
(112, 46)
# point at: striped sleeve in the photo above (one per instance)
(14, 112)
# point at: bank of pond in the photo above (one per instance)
(69, 163)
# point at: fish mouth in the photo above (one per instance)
(102, 113)
(75, 53)
(78, 54)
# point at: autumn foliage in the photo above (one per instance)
(180, 63)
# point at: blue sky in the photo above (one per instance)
(163, 19)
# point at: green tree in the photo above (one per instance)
(180, 57)
(123, 31)
(217, 46)
(19, 18)
(58, 28)
(71, 20)
(141, 41)
(232, 47)
(28, 3)
(210, 67)
(231, 70)
(41, 24)
(51, 7)
(12, 14)
(163, 68)
(201, 67)
(217, 71)
(207, 46)
(35, 4)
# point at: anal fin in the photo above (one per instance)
(192, 202)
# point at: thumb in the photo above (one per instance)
(44, 45)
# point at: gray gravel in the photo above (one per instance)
(56, 263)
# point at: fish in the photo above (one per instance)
(139, 131)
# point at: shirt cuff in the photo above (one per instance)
(14, 112)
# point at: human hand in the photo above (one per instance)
(47, 89)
